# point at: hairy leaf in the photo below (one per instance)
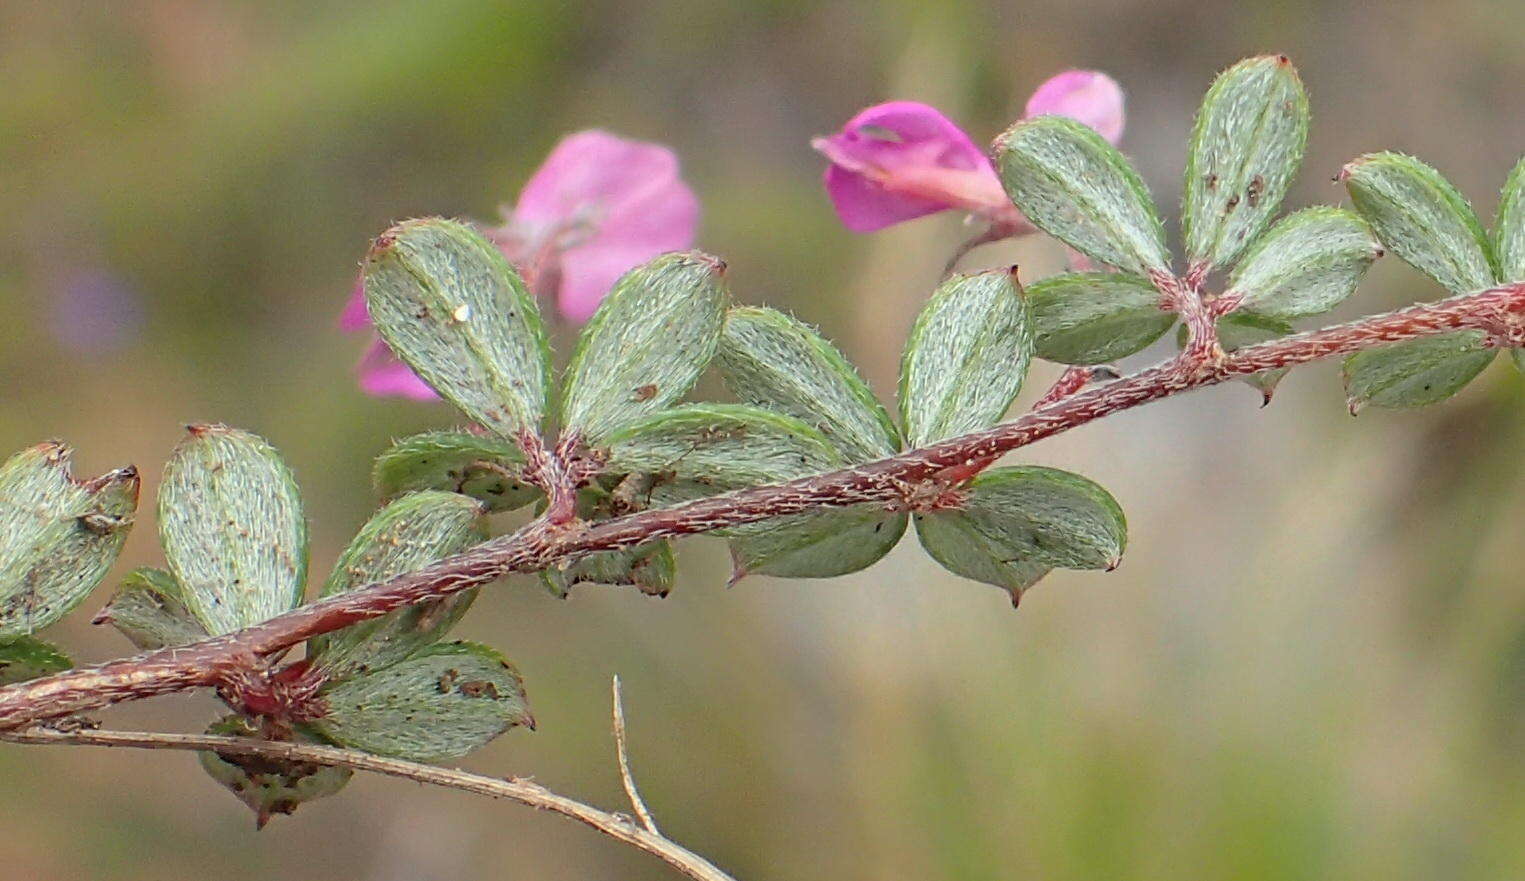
(405, 536)
(443, 702)
(966, 357)
(27, 657)
(1245, 150)
(1095, 317)
(952, 539)
(651, 568)
(58, 535)
(819, 544)
(1420, 217)
(450, 305)
(230, 520)
(1077, 188)
(722, 446)
(1048, 516)
(1417, 372)
(268, 786)
(771, 360)
(149, 609)
(1509, 227)
(1306, 264)
(485, 468)
(646, 345)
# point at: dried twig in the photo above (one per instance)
(619, 748)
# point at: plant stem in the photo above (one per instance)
(525, 792)
(889, 481)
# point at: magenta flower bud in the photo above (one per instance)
(596, 208)
(902, 160)
(1087, 96)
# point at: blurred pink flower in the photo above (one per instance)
(902, 160)
(596, 208)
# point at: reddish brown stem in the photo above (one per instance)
(886, 481)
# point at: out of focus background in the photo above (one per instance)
(1310, 665)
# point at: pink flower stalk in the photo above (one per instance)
(596, 208)
(902, 160)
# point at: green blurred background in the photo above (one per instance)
(1311, 665)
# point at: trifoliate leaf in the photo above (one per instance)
(651, 568)
(721, 446)
(646, 345)
(230, 520)
(149, 609)
(771, 360)
(443, 702)
(1509, 227)
(1076, 187)
(1095, 317)
(1306, 264)
(1420, 217)
(1245, 150)
(27, 657)
(450, 305)
(1416, 372)
(405, 536)
(485, 468)
(820, 544)
(268, 786)
(58, 535)
(966, 357)
(951, 538)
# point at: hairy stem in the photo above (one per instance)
(887, 481)
(525, 792)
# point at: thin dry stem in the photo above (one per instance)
(623, 754)
(524, 792)
(887, 481)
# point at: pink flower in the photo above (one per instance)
(902, 160)
(597, 207)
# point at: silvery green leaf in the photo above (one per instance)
(646, 345)
(951, 538)
(485, 468)
(651, 568)
(1306, 264)
(966, 357)
(1416, 372)
(771, 360)
(1095, 317)
(58, 535)
(1076, 187)
(230, 520)
(721, 446)
(1048, 516)
(443, 702)
(820, 544)
(268, 786)
(405, 536)
(149, 609)
(1420, 217)
(27, 657)
(1509, 227)
(1245, 150)
(450, 305)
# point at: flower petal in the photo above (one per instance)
(903, 159)
(383, 375)
(612, 204)
(355, 315)
(1088, 96)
